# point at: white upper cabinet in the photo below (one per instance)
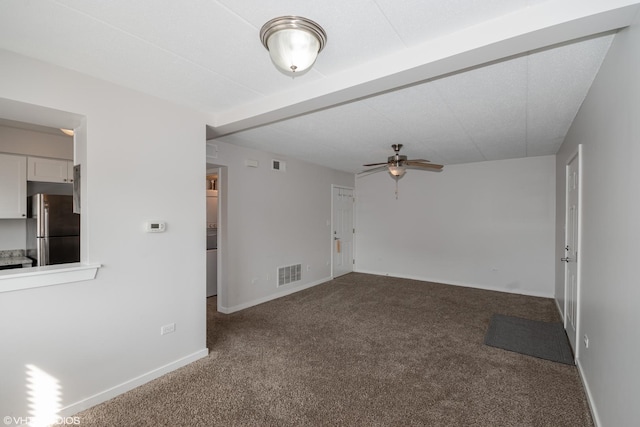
(69, 171)
(13, 186)
(49, 170)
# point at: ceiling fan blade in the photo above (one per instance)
(418, 165)
(374, 170)
(375, 164)
(419, 160)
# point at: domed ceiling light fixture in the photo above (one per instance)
(293, 43)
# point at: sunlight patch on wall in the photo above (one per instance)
(44, 394)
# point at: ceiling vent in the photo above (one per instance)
(288, 274)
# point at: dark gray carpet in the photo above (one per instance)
(544, 340)
(361, 350)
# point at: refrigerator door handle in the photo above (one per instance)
(45, 219)
(43, 251)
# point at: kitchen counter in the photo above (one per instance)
(14, 257)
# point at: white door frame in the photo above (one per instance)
(331, 236)
(577, 154)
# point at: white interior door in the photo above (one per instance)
(342, 231)
(571, 251)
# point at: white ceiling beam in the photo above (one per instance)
(529, 29)
(38, 115)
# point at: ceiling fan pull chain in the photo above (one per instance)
(396, 180)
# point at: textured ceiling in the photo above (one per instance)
(455, 82)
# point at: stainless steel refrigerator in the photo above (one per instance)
(53, 230)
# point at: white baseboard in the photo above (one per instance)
(279, 294)
(112, 392)
(285, 292)
(466, 285)
(559, 308)
(592, 407)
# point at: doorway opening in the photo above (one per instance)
(215, 183)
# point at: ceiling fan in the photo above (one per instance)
(398, 164)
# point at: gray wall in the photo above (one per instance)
(487, 224)
(271, 219)
(608, 127)
(143, 159)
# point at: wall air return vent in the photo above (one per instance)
(289, 274)
(278, 165)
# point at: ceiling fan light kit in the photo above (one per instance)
(398, 164)
(293, 43)
(397, 172)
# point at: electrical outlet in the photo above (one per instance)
(167, 329)
(586, 341)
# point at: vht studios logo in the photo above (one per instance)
(36, 421)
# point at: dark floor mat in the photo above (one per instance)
(545, 340)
